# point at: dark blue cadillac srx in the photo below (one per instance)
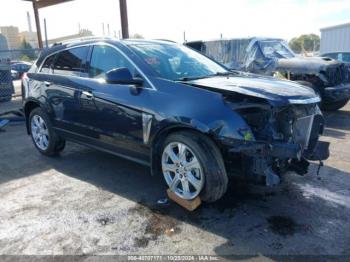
(164, 105)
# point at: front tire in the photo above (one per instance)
(192, 166)
(46, 141)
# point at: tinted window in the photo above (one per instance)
(48, 65)
(106, 58)
(70, 62)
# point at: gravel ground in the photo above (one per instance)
(88, 202)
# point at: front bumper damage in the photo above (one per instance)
(336, 93)
(282, 150)
(262, 156)
(287, 139)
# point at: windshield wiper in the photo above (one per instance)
(222, 74)
(201, 77)
(190, 78)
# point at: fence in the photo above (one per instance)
(6, 85)
(28, 55)
(7, 60)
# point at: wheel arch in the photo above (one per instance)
(27, 108)
(159, 138)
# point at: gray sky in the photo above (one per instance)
(201, 19)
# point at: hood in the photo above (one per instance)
(305, 65)
(276, 92)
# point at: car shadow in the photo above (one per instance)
(338, 120)
(252, 220)
(334, 133)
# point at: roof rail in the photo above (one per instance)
(166, 40)
(83, 38)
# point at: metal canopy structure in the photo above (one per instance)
(46, 3)
(37, 4)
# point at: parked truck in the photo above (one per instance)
(329, 78)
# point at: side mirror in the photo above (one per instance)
(122, 76)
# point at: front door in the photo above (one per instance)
(114, 112)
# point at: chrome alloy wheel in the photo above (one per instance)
(40, 133)
(182, 170)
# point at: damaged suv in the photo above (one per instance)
(166, 106)
(270, 56)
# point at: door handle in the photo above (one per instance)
(88, 94)
(47, 83)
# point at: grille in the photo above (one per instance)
(337, 75)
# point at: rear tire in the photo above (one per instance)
(46, 141)
(335, 105)
(211, 165)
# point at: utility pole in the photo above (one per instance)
(45, 29)
(37, 22)
(124, 18)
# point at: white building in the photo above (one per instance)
(335, 39)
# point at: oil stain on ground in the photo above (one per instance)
(158, 223)
(282, 225)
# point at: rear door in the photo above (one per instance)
(60, 83)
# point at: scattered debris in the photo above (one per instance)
(10, 116)
(163, 201)
(105, 220)
(3, 123)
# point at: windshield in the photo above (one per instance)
(275, 48)
(177, 62)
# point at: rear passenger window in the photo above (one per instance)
(106, 58)
(70, 62)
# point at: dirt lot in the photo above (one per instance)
(88, 202)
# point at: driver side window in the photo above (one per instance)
(105, 58)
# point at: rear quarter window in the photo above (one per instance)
(69, 62)
(47, 67)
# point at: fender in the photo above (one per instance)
(224, 131)
(29, 104)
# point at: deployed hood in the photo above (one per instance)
(305, 65)
(276, 92)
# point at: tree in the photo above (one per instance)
(308, 43)
(27, 50)
(137, 36)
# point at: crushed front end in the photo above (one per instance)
(337, 83)
(278, 139)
